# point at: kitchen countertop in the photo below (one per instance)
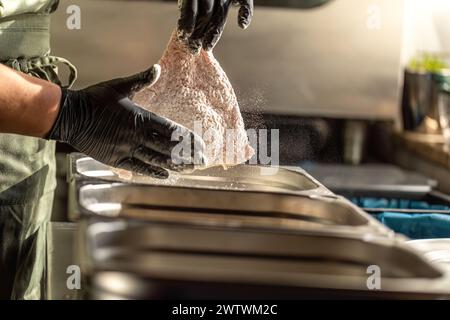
(375, 179)
(423, 153)
(429, 146)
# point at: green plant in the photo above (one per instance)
(427, 62)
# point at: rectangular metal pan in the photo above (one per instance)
(372, 180)
(238, 178)
(155, 252)
(239, 196)
(227, 208)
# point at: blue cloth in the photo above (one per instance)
(414, 225)
(417, 226)
(397, 204)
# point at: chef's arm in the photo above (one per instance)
(28, 106)
(101, 121)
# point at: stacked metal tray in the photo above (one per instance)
(241, 197)
(125, 259)
(224, 231)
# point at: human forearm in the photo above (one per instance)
(28, 106)
(101, 121)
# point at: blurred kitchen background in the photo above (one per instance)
(328, 74)
(357, 88)
(304, 71)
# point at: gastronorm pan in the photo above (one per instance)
(84, 170)
(240, 178)
(114, 251)
(234, 228)
(239, 196)
(227, 208)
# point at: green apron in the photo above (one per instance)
(27, 165)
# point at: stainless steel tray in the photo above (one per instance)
(228, 208)
(435, 250)
(235, 227)
(372, 180)
(113, 251)
(238, 178)
(239, 197)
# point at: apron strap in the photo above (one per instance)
(44, 68)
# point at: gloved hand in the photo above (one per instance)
(102, 122)
(202, 22)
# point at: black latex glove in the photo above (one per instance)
(102, 122)
(202, 22)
